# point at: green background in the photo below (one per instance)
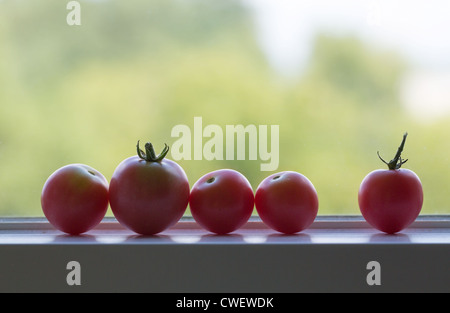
(135, 69)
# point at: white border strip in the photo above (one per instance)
(187, 222)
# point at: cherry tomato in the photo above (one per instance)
(391, 199)
(74, 198)
(148, 193)
(222, 201)
(287, 202)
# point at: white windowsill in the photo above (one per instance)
(330, 256)
(427, 229)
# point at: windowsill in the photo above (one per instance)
(429, 229)
(332, 255)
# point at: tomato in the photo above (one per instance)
(222, 201)
(74, 198)
(391, 199)
(148, 193)
(287, 202)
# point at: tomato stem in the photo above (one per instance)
(149, 155)
(397, 161)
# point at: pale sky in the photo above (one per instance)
(417, 29)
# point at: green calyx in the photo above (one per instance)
(397, 161)
(149, 155)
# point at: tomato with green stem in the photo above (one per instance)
(391, 199)
(148, 193)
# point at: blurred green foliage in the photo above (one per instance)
(135, 69)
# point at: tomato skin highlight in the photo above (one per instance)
(390, 200)
(222, 201)
(148, 197)
(74, 198)
(287, 202)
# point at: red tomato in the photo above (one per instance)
(390, 200)
(75, 198)
(287, 202)
(148, 194)
(222, 201)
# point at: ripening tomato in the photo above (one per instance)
(148, 193)
(222, 201)
(74, 198)
(391, 199)
(287, 202)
